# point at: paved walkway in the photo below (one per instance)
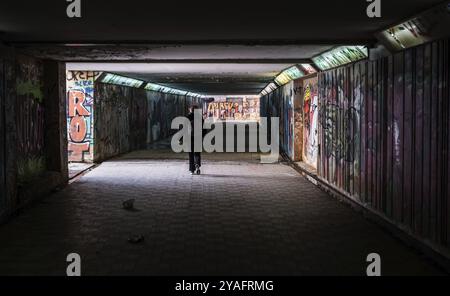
(238, 218)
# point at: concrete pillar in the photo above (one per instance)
(8, 133)
(55, 134)
(55, 117)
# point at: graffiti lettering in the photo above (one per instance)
(85, 76)
(76, 99)
(77, 129)
(80, 87)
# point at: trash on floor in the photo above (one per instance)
(128, 204)
(135, 239)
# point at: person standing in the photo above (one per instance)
(194, 157)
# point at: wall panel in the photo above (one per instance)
(385, 136)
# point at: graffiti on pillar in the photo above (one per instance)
(80, 102)
(310, 120)
(298, 120)
(288, 119)
(30, 119)
(280, 103)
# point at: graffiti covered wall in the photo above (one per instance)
(80, 115)
(120, 120)
(32, 112)
(29, 118)
(280, 103)
(287, 118)
(384, 129)
(298, 120)
(162, 108)
(310, 112)
(128, 118)
(230, 108)
(340, 111)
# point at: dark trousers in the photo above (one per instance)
(194, 159)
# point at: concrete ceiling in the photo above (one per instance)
(212, 47)
(209, 69)
(330, 21)
(205, 78)
(292, 53)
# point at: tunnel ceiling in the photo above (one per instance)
(211, 69)
(262, 53)
(206, 78)
(140, 21)
(209, 47)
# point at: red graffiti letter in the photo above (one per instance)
(77, 129)
(77, 151)
(76, 99)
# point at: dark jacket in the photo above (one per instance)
(190, 116)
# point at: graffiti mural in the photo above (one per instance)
(340, 127)
(120, 122)
(233, 109)
(310, 122)
(381, 128)
(280, 103)
(298, 120)
(80, 112)
(288, 118)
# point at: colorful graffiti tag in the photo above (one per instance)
(80, 99)
(310, 120)
(298, 119)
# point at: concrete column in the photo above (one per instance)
(55, 117)
(8, 133)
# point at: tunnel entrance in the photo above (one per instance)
(111, 111)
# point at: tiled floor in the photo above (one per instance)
(76, 168)
(237, 218)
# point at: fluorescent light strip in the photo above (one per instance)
(308, 69)
(125, 81)
(169, 90)
(120, 80)
(340, 56)
(288, 75)
(284, 77)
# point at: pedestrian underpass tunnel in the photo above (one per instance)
(358, 109)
